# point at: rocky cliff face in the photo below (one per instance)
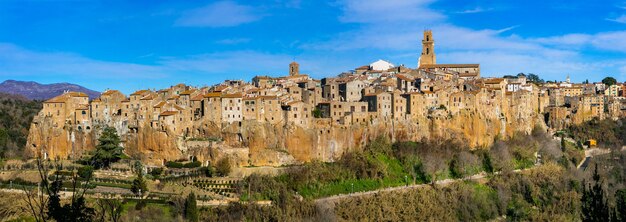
(262, 144)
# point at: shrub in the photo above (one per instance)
(172, 164)
(85, 172)
(156, 172)
(207, 171)
(193, 164)
(223, 167)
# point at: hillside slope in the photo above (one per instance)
(16, 114)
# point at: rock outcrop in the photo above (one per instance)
(254, 143)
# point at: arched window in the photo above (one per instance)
(427, 51)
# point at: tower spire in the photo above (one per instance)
(428, 50)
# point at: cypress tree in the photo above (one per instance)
(191, 210)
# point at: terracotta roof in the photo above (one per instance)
(293, 102)
(159, 105)
(269, 97)
(197, 97)
(220, 88)
(168, 113)
(148, 97)
(494, 81)
(188, 92)
(450, 66)
(212, 94)
(235, 95)
(65, 96)
(471, 74)
(366, 67)
(109, 92)
(126, 100)
(82, 107)
(139, 92)
(405, 78)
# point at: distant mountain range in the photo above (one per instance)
(37, 91)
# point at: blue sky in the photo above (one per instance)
(154, 44)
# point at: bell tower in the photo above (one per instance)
(428, 49)
(294, 69)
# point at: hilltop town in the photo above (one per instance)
(274, 121)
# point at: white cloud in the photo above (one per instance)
(16, 61)
(219, 14)
(474, 10)
(619, 19)
(376, 11)
(575, 39)
(611, 41)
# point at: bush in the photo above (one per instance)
(223, 167)
(207, 171)
(85, 172)
(178, 165)
(156, 172)
(140, 205)
(172, 164)
(193, 164)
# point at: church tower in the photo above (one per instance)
(428, 50)
(294, 69)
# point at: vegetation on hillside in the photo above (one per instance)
(382, 164)
(608, 132)
(16, 115)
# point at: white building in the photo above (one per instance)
(381, 65)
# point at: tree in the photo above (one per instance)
(620, 204)
(191, 210)
(139, 186)
(223, 167)
(138, 167)
(110, 210)
(108, 149)
(594, 204)
(45, 202)
(534, 78)
(609, 81)
(317, 113)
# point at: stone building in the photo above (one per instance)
(232, 107)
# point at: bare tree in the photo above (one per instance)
(109, 210)
(44, 202)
